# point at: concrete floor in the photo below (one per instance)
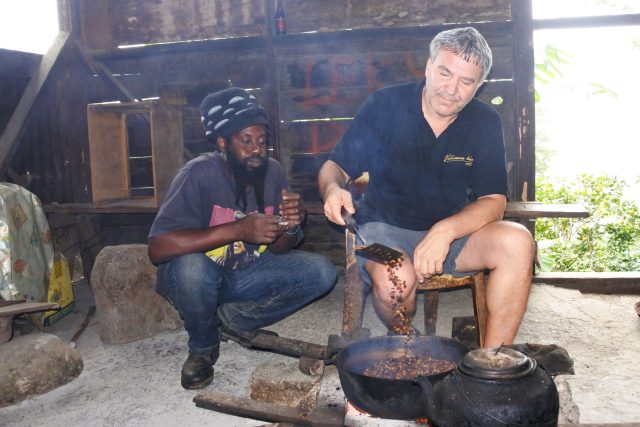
(139, 383)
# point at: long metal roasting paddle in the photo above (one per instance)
(375, 251)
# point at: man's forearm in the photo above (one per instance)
(166, 246)
(474, 216)
(331, 176)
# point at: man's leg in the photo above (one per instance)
(391, 288)
(191, 283)
(273, 287)
(506, 249)
(389, 294)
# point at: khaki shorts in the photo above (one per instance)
(407, 240)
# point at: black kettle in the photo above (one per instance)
(494, 387)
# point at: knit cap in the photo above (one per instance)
(228, 111)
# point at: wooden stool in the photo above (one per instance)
(354, 297)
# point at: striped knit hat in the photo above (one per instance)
(229, 111)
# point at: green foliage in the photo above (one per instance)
(606, 241)
(550, 67)
(551, 64)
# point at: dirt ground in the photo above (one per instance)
(138, 383)
(602, 335)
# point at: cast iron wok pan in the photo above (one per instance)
(387, 398)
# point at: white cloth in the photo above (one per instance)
(26, 245)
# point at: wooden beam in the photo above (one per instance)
(16, 128)
(532, 210)
(131, 206)
(26, 307)
(241, 406)
(587, 22)
(105, 73)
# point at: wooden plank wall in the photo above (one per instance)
(107, 24)
(16, 69)
(311, 81)
(53, 150)
(320, 90)
(318, 79)
(186, 77)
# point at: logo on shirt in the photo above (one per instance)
(452, 158)
(236, 254)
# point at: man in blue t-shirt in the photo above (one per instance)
(437, 187)
(223, 238)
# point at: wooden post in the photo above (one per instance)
(272, 78)
(524, 105)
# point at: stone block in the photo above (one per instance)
(35, 364)
(128, 308)
(569, 411)
(281, 383)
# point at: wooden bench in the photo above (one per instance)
(533, 210)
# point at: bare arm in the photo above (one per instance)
(332, 182)
(429, 255)
(253, 228)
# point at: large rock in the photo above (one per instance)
(35, 364)
(123, 281)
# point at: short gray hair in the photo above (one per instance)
(466, 42)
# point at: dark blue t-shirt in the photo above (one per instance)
(416, 179)
(202, 195)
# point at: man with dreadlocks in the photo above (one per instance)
(223, 238)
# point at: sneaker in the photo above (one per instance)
(197, 371)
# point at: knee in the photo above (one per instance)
(192, 271)
(394, 289)
(516, 240)
(325, 273)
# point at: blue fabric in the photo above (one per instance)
(264, 292)
(407, 240)
(416, 179)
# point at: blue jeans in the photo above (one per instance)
(264, 292)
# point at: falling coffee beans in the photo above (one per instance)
(401, 323)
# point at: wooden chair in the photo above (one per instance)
(354, 297)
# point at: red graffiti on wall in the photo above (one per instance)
(334, 87)
(332, 131)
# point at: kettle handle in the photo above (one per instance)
(427, 395)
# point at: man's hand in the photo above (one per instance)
(332, 181)
(291, 209)
(335, 200)
(430, 254)
(259, 228)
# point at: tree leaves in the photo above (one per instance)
(609, 240)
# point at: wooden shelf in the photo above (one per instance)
(119, 208)
(109, 150)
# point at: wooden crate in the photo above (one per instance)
(110, 150)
